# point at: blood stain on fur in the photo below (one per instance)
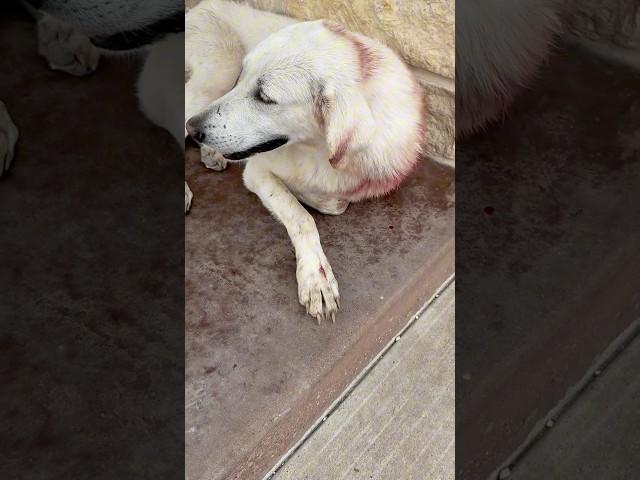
(322, 272)
(341, 149)
(367, 58)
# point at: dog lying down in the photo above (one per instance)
(321, 115)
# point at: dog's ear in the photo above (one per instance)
(347, 120)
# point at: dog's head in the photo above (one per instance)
(300, 85)
(118, 24)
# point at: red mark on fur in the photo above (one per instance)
(407, 158)
(375, 188)
(322, 272)
(489, 210)
(320, 108)
(367, 58)
(341, 149)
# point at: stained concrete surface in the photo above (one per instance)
(547, 261)
(91, 274)
(259, 371)
(598, 435)
(398, 423)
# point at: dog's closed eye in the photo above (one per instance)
(263, 97)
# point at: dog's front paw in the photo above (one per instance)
(212, 158)
(317, 287)
(65, 48)
(8, 139)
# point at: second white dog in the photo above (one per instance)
(324, 116)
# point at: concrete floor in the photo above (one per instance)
(546, 264)
(259, 371)
(398, 422)
(597, 437)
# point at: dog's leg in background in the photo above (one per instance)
(65, 48)
(317, 286)
(8, 139)
(160, 79)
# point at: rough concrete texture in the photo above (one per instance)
(398, 423)
(546, 264)
(422, 32)
(259, 371)
(598, 436)
(440, 124)
(91, 262)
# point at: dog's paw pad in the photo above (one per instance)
(8, 139)
(65, 48)
(212, 158)
(317, 287)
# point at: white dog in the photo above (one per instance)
(323, 116)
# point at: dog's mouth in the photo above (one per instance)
(260, 148)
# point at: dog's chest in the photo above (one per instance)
(307, 170)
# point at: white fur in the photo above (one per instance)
(65, 48)
(307, 68)
(499, 46)
(159, 75)
(100, 17)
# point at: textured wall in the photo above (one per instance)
(421, 31)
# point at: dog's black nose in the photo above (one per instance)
(194, 133)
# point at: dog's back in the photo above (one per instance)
(218, 35)
(248, 25)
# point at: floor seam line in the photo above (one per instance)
(359, 378)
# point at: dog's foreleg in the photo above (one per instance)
(8, 139)
(317, 286)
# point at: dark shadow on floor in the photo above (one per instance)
(91, 275)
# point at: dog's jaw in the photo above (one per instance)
(260, 148)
